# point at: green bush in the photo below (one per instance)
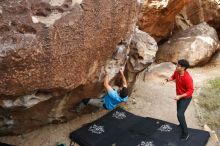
(209, 101)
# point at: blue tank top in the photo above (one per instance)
(112, 99)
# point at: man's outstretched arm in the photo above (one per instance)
(106, 83)
(171, 78)
(124, 81)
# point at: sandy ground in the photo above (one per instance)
(149, 99)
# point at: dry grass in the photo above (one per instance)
(209, 101)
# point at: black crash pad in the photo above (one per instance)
(122, 128)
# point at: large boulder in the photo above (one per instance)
(52, 54)
(157, 17)
(196, 44)
(52, 45)
(198, 11)
(142, 53)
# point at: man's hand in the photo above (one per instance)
(121, 71)
(177, 98)
(165, 81)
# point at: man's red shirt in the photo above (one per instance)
(184, 84)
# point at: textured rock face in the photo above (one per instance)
(46, 47)
(142, 53)
(196, 44)
(198, 11)
(49, 48)
(158, 16)
(143, 50)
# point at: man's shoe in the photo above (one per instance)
(184, 137)
(80, 107)
(85, 101)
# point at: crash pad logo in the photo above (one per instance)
(165, 128)
(96, 129)
(119, 115)
(146, 143)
